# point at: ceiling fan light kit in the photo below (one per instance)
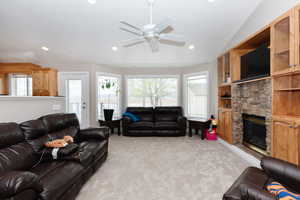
(152, 33)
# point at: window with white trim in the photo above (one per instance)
(196, 86)
(108, 94)
(20, 85)
(152, 91)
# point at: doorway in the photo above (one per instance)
(74, 86)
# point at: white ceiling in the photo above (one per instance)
(78, 32)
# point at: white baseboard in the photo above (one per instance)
(249, 158)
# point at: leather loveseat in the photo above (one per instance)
(159, 121)
(23, 177)
(251, 185)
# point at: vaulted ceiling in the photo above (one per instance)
(76, 31)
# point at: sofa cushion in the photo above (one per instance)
(167, 114)
(15, 153)
(17, 157)
(144, 113)
(57, 177)
(166, 126)
(141, 126)
(95, 147)
(252, 176)
(37, 134)
(10, 134)
(57, 122)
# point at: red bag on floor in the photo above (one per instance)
(211, 135)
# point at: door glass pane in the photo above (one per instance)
(74, 100)
(281, 45)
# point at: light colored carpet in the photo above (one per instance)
(164, 169)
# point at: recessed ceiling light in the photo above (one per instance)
(45, 48)
(92, 1)
(191, 47)
(114, 48)
(211, 1)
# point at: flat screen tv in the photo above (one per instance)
(256, 64)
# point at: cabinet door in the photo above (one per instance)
(285, 141)
(4, 84)
(221, 124)
(40, 83)
(283, 44)
(228, 127)
(297, 38)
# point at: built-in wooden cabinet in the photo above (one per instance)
(286, 139)
(286, 43)
(286, 95)
(224, 69)
(224, 96)
(283, 38)
(225, 125)
(283, 44)
(44, 80)
(4, 84)
(297, 38)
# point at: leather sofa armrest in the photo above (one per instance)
(283, 172)
(14, 182)
(126, 121)
(252, 192)
(94, 133)
(182, 121)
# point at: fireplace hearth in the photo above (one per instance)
(255, 133)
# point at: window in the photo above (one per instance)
(20, 85)
(196, 86)
(108, 94)
(152, 91)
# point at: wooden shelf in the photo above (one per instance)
(286, 117)
(287, 90)
(226, 98)
(254, 80)
(225, 109)
(225, 85)
(282, 52)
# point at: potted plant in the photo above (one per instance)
(108, 112)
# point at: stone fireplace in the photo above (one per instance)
(252, 99)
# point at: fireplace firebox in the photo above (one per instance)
(255, 133)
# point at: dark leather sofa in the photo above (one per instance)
(20, 147)
(251, 185)
(159, 121)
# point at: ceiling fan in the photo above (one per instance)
(152, 33)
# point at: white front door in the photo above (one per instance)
(75, 87)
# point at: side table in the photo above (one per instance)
(112, 125)
(198, 124)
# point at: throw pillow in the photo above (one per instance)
(281, 192)
(133, 117)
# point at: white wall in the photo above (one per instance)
(180, 71)
(266, 12)
(20, 109)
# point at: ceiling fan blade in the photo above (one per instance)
(132, 26)
(154, 45)
(168, 22)
(132, 42)
(132, 32)
(172, 38)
